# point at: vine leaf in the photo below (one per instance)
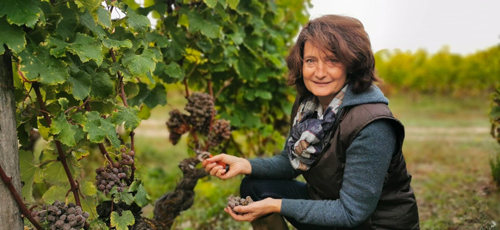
(81, 82)
(99, 128)
(116, 44)
(121, 222)
(104, 17)
(54, 173)
(207, 26)
(28, 171)
(101, 85)
(151, 98)
(141, 197)
(38, 64)
(136, 21)
(55, 193)
(127, 115)
(88, 21)
(12, 36)
(210, 3)
(87, 48)
(21, 12)
(65, 130)
(139, 64)
(88, 188)
(233, 3)
(89, 4)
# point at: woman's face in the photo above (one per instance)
(324, 75)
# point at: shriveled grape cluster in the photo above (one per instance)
(221, 131)
(61, 216)
(176, 125)
(114, 174)
(233, 201)
(200, 107)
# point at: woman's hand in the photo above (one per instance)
(237, 165)
(255, 210)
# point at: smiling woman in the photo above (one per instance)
(343, 140)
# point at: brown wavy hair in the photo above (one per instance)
(347, 39)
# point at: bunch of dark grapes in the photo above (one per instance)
(221, 131)
(176, 125)
(200, 107)
(233, 201)
(115, 174)
(61, 216)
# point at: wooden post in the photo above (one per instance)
(10, 214)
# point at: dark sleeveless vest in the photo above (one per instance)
(397, 206)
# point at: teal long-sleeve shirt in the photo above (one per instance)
(367, 161)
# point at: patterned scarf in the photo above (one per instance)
(309, 129)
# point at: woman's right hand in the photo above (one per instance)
(237, 165)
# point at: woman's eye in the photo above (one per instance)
(309, 61)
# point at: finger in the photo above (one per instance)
(235, 216)
(215, 170)
(209, 167)
(216, 158)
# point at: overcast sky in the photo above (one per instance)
(465, 26)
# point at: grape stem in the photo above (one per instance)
(8, 181)
(62, 156)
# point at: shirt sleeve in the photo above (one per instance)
(367, 161)
(276, 167)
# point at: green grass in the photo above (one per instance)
(447, 148)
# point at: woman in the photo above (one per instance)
(344, 141)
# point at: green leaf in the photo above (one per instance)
(140, 64)
(66, 27)
(87, 48)
(102, 86)
(136, 21)
(54, 173)
(57, 47)
(56, 192)
(141, 197)
(104, 17)
(81, 84)
(28, 171)
(206, 26)
(121, 222)
(115, 44)
(12, 36)
(65, 130)
(38, 64)
(80, 153)
(88, 188)
(210, 3)
(173, 70)
(263, 94)
(89, 4)
(99, 128)
(127, 115)
(21, 12)
(233, 3)
(150, 97)
(88, 21)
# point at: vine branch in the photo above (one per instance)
(62, 156)
(8, 181)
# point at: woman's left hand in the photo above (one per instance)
(255, 210)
